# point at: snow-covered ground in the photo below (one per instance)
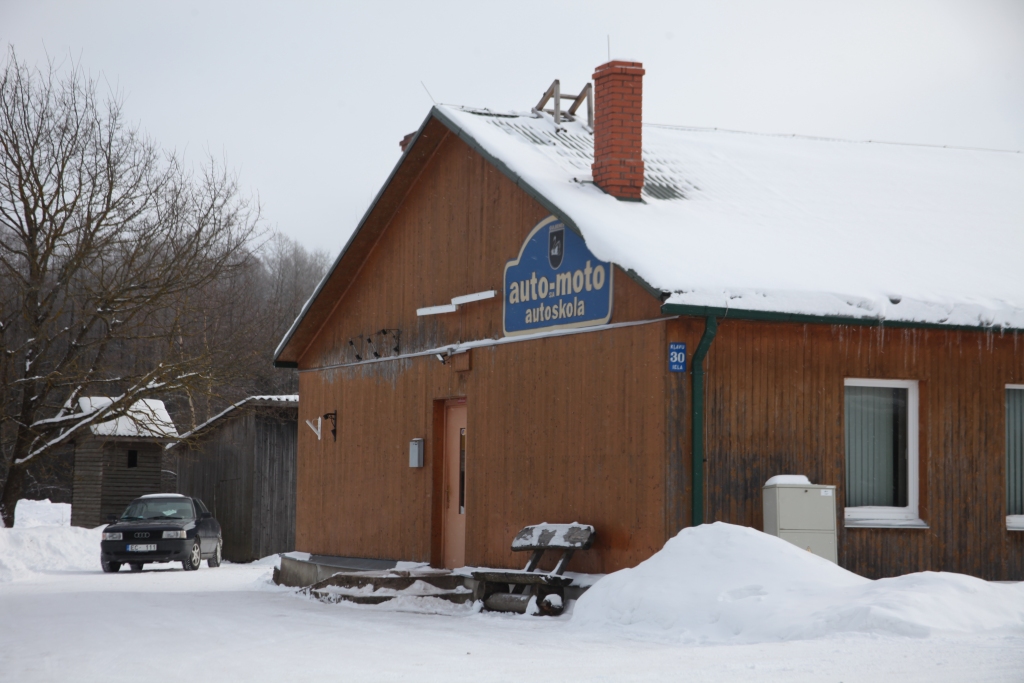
(61, 618)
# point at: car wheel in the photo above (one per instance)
(135, 566)
(195, 556)
(215, 560)
(110, 567)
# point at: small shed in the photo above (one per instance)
(241, 463)
(119, 460)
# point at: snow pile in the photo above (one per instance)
(721, 583)
(31, 513)
(34, 546)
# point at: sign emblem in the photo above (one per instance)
(555, 283)
(556, 244)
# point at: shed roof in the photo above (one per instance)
(146, 419)
(282, 401)
(795, 225)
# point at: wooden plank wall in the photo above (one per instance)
(123, 484)
(454, 233)
(169, 471)
(273, 510)
(88, 483)
(219, 471)
(678, 437)
(549, 439)
(557, 434)
(243, 468)
(775, 405)
(560, 435)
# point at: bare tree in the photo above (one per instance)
(289, 274)
(106, 248)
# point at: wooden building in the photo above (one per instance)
(119, 460)
(636, 326)
(241, 463)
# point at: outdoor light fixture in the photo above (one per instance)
(441, 358)
(333, 417)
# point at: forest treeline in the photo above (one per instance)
(124, 273)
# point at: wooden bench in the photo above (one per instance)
(511, 591)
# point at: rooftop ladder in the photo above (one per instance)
(555, 93)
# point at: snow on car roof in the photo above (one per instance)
(788, 224)
(164, 495)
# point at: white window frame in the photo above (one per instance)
(883, 516)
(1013, 522)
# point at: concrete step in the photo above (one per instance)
(382, 587)
(392, 579)
(341, 595)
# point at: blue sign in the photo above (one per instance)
(676, 357)
(555, 283)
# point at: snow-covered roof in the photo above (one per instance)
(788, 224)
(147, 418)
(746, 224)
(285, 400)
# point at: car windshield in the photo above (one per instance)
(160, 508)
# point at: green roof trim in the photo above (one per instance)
(803, 318)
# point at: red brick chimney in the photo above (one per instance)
(618, 95)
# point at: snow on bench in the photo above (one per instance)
(575, 536)
(525, 587)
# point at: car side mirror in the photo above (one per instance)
(111, 519)
(205, 515)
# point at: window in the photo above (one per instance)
(1015, 456)
(160, 508)
(133, 458)
(881, 453)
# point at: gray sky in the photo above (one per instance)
(307, 101)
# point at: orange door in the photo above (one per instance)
(455, 486)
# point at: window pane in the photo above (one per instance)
(876, 446)
(1015, 451)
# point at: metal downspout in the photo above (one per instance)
(710, 329)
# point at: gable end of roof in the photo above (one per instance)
(378, 215)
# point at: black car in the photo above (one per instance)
(163, 527)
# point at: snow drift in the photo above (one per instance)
(721, 583)
(42, 541)
(31, 513)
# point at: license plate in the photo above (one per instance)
(143, 548)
